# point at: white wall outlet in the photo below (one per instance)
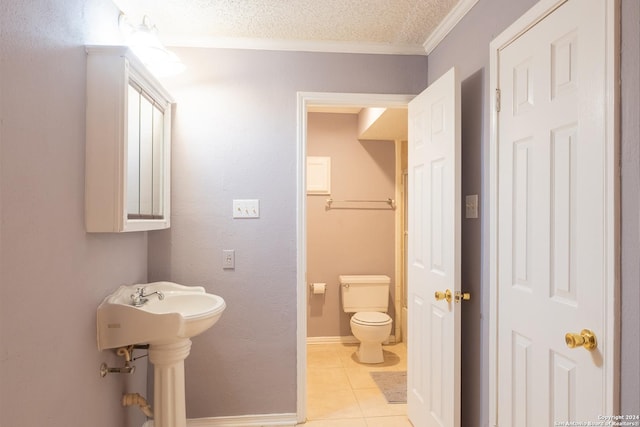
(228, 258)
(471, 204)
(246, 208)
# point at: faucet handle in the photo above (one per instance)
(136, 297)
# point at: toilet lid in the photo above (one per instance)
(371, 318)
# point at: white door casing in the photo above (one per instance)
(554, 215)
(434, 254)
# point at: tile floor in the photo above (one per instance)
(341, 392)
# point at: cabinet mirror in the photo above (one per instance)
(128, 144)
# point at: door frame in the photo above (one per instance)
(305, 100)
(612, 195)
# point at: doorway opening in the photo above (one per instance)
(340, 102)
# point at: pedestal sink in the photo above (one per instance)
(165, 316)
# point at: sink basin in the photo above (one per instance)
(184, 312)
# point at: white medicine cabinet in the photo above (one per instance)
(128, 144)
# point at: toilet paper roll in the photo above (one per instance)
(319, 288)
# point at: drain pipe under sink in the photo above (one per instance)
(135, 399)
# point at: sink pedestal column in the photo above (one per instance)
(168, 389)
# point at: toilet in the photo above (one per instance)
(367, 296)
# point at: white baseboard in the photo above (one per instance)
(350, 339)
(265, 420)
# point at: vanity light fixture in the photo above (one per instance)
(145, 44)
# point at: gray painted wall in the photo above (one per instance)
(467, 48)
(235, 137)
(53, 275)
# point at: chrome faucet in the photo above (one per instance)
(140, 298)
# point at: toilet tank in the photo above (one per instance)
(364, 293)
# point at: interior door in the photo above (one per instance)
(552, 227)
(434, 255)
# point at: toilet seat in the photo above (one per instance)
(371, 318)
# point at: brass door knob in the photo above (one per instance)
(462, 296)
(446, 295)
(585, 338)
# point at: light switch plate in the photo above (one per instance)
(246, 208)
(471, 204)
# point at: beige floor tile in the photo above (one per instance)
(349, 359)
(397, 421)
(322, 355)
(346, 351)
(349, 422)
(399, 347)
(327, 379)
(360, 377)
(334, 405)
(373, 404)
(400, 352)
(341, 392)
(392, 362)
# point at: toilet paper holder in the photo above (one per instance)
(318, 288)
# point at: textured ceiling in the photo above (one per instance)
(400, 25)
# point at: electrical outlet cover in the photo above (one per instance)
(228, 258)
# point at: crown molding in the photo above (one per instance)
(448, 24)
(294, 45)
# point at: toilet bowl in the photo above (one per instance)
(371, 328)
(367, 297)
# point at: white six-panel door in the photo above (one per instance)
(553, 219)
(434, 254)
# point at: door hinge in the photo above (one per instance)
(498, 100)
